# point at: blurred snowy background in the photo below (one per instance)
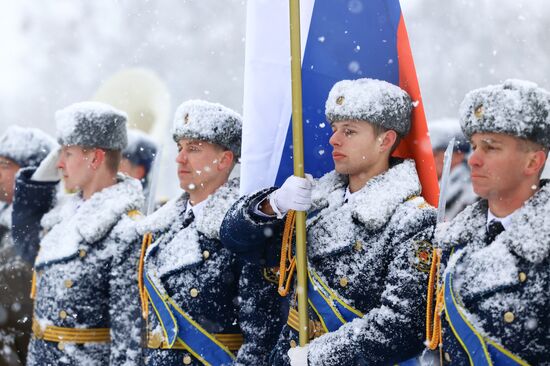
(58, 52)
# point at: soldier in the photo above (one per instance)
(86, 308)
(19, 148)
(459, 193)
(497, 280)
(367, 236)
(200, 302)
(138, 156)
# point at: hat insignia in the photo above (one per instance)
(478, 112)
(340, 100)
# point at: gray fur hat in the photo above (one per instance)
(374, 101)
(515, 107)
(212, 122)
(92, 124)
(26, 146)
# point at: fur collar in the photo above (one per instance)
(372, 206)
(527, 235)
(74, 222)
(181, 247)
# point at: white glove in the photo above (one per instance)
(47, 170)
(294, 194)
(298, 356)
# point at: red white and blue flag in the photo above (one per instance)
(341, 39)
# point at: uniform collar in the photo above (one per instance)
(74, 221)
(505, 221)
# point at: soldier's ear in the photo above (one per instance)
(535, 162)
(98, 157)
(387, 139)
(226, 160)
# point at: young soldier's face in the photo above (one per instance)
(355, 147)
(497, 165)
(198, 164)
(74, 163)
(8, 170)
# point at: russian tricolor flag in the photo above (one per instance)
(341, 39)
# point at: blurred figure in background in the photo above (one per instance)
(19, 148)
(459, 192)
(138, 157)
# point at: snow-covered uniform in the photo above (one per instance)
(85, 275)
(502, 288)
(371, 251)
(227, 298)
(15, 305)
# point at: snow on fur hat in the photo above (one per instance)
(92, 124)
(26, 146)
(141, 149)
(370, 100)
(516, 107)
(212, 122)
(443, 130)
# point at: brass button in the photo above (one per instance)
(340, 100)
(62, 314)
(344, 281)
(194, 292)
(206, 254)
(61, 346)
(509, 317)
(68, 283)
(187, 360)
(522, 277)
(358, 246)
(293, 343)
(82, 253)
(447, 357)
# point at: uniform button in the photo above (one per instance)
(68, 283)
(62, 314)
(187, 360)
(509, 317)
(61, 346)
(522, 277)
(358, 246)
(82, 253)
(344, 281)
(194, 292)
(206, 254)
(447, 357)
(293, 343)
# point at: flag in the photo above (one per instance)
(341, 39)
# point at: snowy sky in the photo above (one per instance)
(56, 55)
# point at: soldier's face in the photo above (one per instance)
(498, 165)
(198, 164)
(8, 170)
(74, 162)
(355, 147)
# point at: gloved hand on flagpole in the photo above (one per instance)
(298, 356)
(47, 170)
(294, 194)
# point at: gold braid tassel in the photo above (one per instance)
(433, 314)
(288, 261)
(33, 286)
(147, 239)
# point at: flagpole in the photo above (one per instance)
(298, 156)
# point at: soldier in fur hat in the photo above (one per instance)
(496, 253)
(86, 307)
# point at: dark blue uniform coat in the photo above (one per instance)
(189, 264)
(369, 249)
(504, 286)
